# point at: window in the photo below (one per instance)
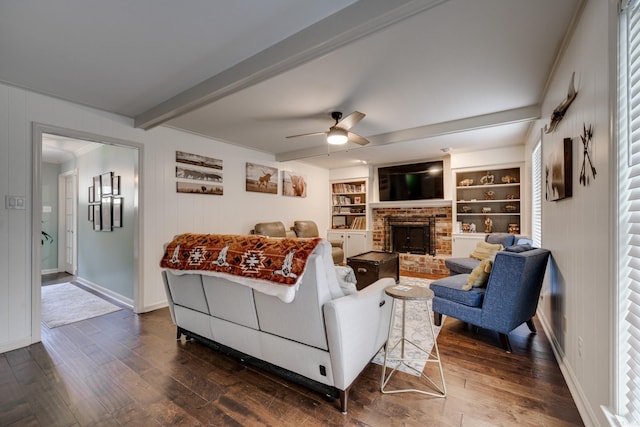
(536, 195)
(627, 391)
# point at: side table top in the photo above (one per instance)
(408, 292)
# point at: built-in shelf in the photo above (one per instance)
(488, 199)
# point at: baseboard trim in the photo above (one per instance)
(589, 418)
(14, 345)
(49, 271)
(156, 306)
(106, 292)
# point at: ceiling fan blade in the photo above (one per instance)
(306, 134)
(351, 120)
(354, 137)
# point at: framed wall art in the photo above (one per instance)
(96, 188)
(198, 174)
(105, 213)
(97, 222)
(106, 183)
(294, 184)
(558, 170)
(262, 179)
(117, 212)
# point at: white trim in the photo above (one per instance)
(37, 129)
(106, 292)
(436, 203)
(589, 418)
(14, 345)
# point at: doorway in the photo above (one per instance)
(71, 223)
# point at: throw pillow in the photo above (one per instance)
(346, 279)
(485, 250)
(519, 248)
(479, 276)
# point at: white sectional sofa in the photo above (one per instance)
(322, 338)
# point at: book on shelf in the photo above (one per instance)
(359, 223)
(348, 188)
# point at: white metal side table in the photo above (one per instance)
(406, 293)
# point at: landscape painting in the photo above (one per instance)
(200, 175)
(201, 168)
(197, 188)
(293, 184)
(262, 179)
(197, 160)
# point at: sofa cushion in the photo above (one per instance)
(485, 250)
(479, 276)
(461, 265)
(505, 239)
(451, 288)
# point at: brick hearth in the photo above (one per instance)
(412, 264)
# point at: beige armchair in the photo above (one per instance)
(299, 229)
(310, 229)
(272, 229)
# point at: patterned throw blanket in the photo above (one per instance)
(279, 261)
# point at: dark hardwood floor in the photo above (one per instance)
(128, 369)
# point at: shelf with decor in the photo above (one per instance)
(488, 200)
(349, 205)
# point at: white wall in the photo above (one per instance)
(164, 213)
(106, 260)
(576, 305)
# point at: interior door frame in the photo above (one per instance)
(62, 210)
(37, 129)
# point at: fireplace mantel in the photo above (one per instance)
(438, 203)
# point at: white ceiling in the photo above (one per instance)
(429, 74)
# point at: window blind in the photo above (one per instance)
(627, 408)
(536, 195)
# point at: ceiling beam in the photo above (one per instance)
(516, 115)
(349, 24)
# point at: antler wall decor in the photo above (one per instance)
(560, 110)
(586, 139)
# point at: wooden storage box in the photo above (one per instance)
(374, 265)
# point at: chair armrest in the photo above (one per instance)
(290, 234)
(336, 243)
(357, 327)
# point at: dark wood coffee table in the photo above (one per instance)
(374, 265)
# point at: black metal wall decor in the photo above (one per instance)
(587, 145)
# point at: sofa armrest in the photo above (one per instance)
(357, 327)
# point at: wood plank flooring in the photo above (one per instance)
(128, 369)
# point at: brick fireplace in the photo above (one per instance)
(414, 219)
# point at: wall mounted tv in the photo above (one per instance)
(417, 181)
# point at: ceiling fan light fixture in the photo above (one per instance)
(337, 136)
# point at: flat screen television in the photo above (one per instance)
(417, 181)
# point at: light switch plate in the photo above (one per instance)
(14, 202)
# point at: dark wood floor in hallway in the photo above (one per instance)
(128, 369)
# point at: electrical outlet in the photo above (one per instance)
(580, 346)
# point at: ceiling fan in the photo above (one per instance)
(339, 133)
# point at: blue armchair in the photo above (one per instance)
(509, 299)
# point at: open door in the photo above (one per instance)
(67, 227)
